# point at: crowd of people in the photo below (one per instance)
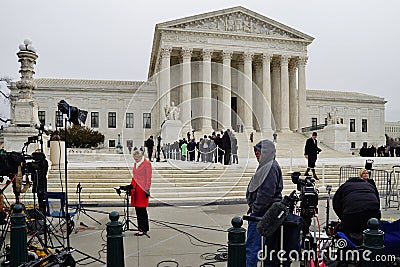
(218, 147)
(382, 151)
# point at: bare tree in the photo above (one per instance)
(7, 80)
(5, 95)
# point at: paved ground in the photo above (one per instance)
(189, 236)
(186, 235)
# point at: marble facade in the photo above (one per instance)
(221, 69)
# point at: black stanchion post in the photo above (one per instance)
(236, 244)
(374, 241)
(115, 244)
(19, 251)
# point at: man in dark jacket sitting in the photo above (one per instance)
(355, 202)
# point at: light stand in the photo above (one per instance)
(66, 109)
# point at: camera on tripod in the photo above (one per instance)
(126, 188)
(308, 193)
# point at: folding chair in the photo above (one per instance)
(55, 202)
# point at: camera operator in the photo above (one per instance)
(264, 189)
(355, 202)
(141, 181)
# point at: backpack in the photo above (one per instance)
(205, 145)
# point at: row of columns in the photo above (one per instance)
(285, 94)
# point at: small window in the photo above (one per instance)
(129, 120)
(59, 119)
(314, 122)
(112, 119)
(352, 125)
(147, 120)
(326, 121)
(353, 144)
(42, 116)
(94, 120)
(111, 143)
(364, 125)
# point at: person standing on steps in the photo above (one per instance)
(150, 145)
(311, 151)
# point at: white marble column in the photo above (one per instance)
(293, 104)
(248, 89)
(186, 104)
(226, 90)
(276, 93)
(165, 80)
(266, 89)
(207, 125)
(258, 103)
(285, 93)
(302, 108)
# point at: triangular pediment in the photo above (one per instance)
(238, 20)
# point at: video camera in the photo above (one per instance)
(308, 194)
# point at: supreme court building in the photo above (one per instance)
(219, 69)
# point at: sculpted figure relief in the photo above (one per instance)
(237, 22)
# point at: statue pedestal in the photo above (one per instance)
(171, 131)
(335, 137)
(57, 154)
(26, 113)
(15, 137)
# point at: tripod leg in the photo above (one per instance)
(84, 212)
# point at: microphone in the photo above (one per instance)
(272, 219)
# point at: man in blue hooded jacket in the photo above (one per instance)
(264, 189)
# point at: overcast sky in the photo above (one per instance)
(356, 46)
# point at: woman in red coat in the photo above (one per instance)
(141, 181)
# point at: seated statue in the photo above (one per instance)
(172, 112)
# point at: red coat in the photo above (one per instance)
(141, 181)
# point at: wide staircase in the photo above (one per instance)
(288, 145)
(188, 183)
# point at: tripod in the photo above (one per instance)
(127, 218)
(80, 208)
(69, 249)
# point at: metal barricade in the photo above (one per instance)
(394, 190)
(347, 172)
(382, 180)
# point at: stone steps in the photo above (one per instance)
(168, 186)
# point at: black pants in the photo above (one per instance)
(311, 162)
(150, 152)
(142, 219)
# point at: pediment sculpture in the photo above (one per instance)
(237, 22)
